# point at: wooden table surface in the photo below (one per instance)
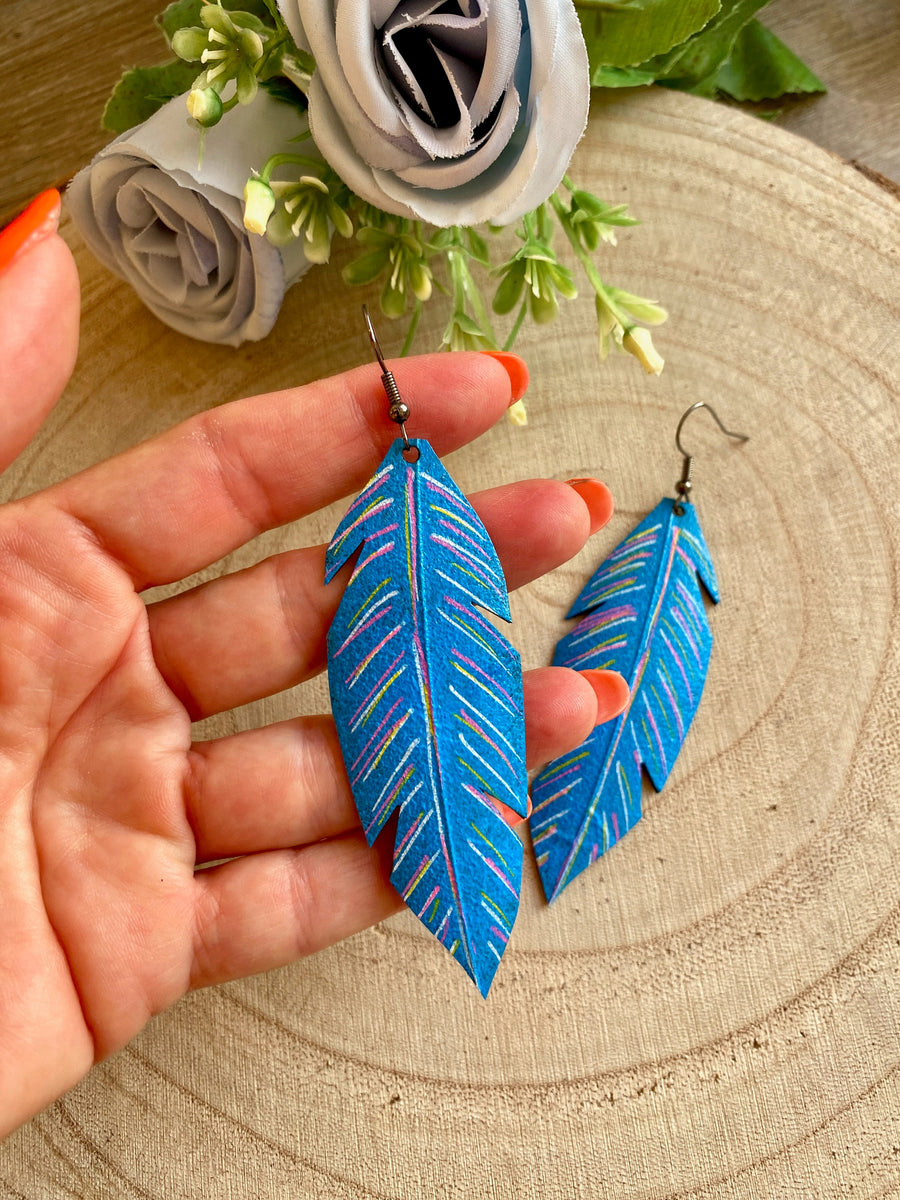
(713, 1010)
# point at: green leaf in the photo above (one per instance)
(139, 93)
(621, 77)
(626, 37)
(190, 43)
(762, 68)
(692, 66)
(465, 324)
(393, 302)
(181, 13)
(510, 289)
(366, 268)
(478, 247)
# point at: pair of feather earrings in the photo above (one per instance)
(427, 694)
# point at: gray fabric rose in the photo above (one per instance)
(452, 111)
(174, 230)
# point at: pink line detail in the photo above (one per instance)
(680, 665)
(411, 832)
(493, 682)
(363, 563)
(460, 553)
(597, 620)
(653, 726)
(381, 726)
(689, 601)
(461, 533)
(384, 612)
(472, 614)
(503, 879)
(679, 617)
(556, 795)
(590, 653)
(375, 482)
(421, 912)
(355, 716)
(388, 803)
(434, 486)
(676, 713)
(365, 516)
(474, 725)
(378, 749)
(556, 778)
(411, 564)
(352, 678)
(414, 877)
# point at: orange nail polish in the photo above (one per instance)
(515, 369)
(611, 690)
(39, 219)
(598, 499)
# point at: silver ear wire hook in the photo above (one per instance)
(684, 485)
(399, 409)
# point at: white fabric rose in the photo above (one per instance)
(452, 111)
(174, 230)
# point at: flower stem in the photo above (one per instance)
(411, 329)
(517, 325)
(278, 160)
(587, 264)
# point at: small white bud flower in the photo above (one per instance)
(517, 413)
(205, 106)
(637, 341)
(259, 204)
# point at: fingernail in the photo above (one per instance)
(515, 369)
(39, 219)
(510, 816)
(597, 497)
(612, 693)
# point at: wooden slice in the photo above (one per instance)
(712, 1010)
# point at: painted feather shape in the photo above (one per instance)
(427, 697)
(642, 615)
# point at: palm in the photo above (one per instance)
(107, 806)
(112, 884)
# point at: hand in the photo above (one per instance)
(107, 807)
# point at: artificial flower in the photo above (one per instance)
(454, 112)
(174, 229)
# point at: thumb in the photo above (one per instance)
(39, 311)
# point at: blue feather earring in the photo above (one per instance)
(642, 615)
(427, 697)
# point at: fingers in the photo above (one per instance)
(180, 501)
(39, 312)
(267, 910)
(261, 630)
(285, 785)
(562, 707)
(271, 788)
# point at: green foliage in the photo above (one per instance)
(139, 93)
(412, 263)
(181, 14)
(730, 54)
(693, 65)
(761, 67)
(229, 48)
(625, 35)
